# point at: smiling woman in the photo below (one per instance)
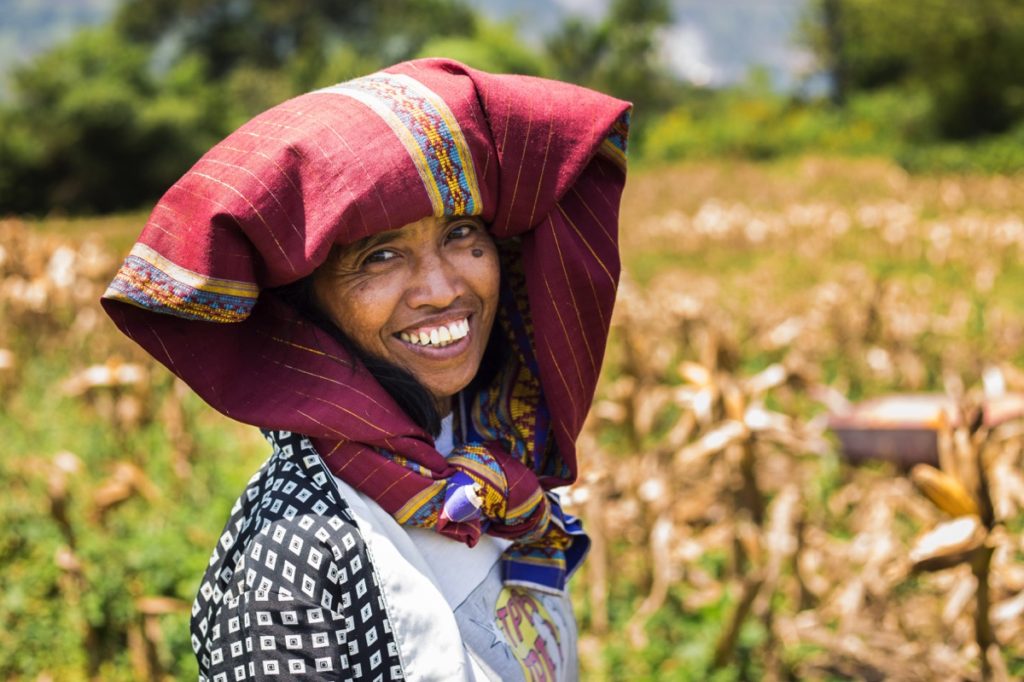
(422, 297)
(406, 281)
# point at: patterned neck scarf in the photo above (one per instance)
(541, 162)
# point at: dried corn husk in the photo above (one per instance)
(948, 544)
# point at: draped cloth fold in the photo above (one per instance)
(541, 162)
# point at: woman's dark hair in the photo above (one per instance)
(414, 399)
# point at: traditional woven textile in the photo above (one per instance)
(541, 162)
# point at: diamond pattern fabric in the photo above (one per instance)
(290, 592)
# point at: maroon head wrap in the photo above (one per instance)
(541, 162)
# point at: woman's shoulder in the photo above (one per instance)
(294, 469)
(291, 571)
(292, 504)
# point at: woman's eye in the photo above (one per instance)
(379, 256)
(461, 230)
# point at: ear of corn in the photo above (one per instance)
(946, 492)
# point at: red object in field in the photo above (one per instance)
(903, 429)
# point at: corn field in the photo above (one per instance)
(732, 536)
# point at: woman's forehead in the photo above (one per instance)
(388, 236)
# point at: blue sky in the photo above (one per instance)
(711, 42)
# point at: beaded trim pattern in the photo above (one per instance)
(148, 280)
(430, 133)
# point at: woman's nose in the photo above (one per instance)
(434, 283)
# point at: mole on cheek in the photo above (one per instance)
(478, 253)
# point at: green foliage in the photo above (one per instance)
(94, 130)
(270, 35)
(765, 126)
(113, 117)
(757, 124)
(1002, 154)
(73, 621)
(492, 47)
(619, 55)
(962, 55)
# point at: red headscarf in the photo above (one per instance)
(536, 159)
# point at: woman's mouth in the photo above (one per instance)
(437, 336)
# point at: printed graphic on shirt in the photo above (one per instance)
(531, 633)
(501, 626)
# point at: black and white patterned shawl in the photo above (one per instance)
(290, 590)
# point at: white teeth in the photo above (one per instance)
(438, 336)
(458, 330)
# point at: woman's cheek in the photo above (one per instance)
(357, 306)
(493, 266)
(367, 288)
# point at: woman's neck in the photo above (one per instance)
(444, 406)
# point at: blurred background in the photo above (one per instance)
(824, 208)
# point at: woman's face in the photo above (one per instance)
(422, 297)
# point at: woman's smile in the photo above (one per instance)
(438, 335)
(446, 341)
(422, 297)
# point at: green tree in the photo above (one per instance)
(110, 119)
(92, 129)
(269, 34)
(963, 54)
(619, 54)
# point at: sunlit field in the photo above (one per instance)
(731, 540)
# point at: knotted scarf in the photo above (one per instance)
(541, 162)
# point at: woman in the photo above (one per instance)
(406, 281)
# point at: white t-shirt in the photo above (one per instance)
(452, 616)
